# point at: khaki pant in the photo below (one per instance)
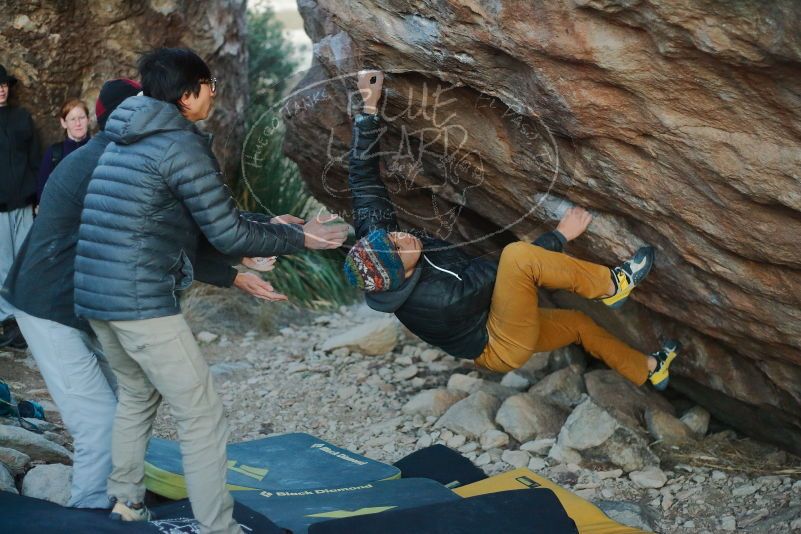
(518, 327)
(154, 359)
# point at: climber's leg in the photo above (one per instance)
(513, 323)
(559, 328)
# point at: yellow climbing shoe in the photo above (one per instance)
(629, 275)
(660, 376)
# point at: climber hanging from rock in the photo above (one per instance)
(478, 309)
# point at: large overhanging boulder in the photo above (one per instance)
(677, 123)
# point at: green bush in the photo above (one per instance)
(269, 182)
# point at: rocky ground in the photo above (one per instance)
(358, 380)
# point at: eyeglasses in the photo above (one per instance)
(4, 85)
(212, 83)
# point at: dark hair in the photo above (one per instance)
(167, 73)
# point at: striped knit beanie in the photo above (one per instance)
(373, 264)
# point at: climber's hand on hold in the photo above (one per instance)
(370, 83)
(574, 222)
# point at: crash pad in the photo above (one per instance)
(297, 510)
(507, 512)
(588, 517)
(295, 461)
(26, 515)
(440, 463)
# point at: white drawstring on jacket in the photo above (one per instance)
(441, 269)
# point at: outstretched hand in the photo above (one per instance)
(574, 222)
(370, 83)
(325, 232)
(254, 285)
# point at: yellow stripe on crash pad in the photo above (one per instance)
(173, 486)
(589, 518)
(341, 514)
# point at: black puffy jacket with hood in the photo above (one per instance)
(446, 301)
(155, 190)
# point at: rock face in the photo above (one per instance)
(677, 124)
(63, 50)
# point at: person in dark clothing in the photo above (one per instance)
(474, 308)
(74, 117)
(156, 190)
(19, 157)
(40, 287)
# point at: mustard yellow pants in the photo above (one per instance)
(518, 327)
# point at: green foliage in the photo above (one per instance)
(270, 66)
(269, 182)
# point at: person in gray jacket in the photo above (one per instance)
(156, 189)
(40, 288)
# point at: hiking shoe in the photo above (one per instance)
(660, 376)
(629, 275)
(126, 512)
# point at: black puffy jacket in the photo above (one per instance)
(447, 299)
(156, 188)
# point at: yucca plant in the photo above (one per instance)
(270, 183)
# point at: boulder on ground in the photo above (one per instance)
(7, 480)
(49, 482)
(697, 420)
(535, 367)
(14, 460)
(650, 477)
(499, 391)
(34, 445)
(564, 455)
(470, 385)
(515, 381)
(471, 416)
(464, 383)
(630, 514)
(622, 398)
(569, 356)
(599, 436)
(538, 446)
(206, 337)
(374, 337)
(563, 387)
(493, 439)
(434, 402)
(516, 458)
(666, 428)
(526, 417)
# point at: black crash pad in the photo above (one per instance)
(508, 512)
(442, 464)
(26, 515)
(297, 510)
